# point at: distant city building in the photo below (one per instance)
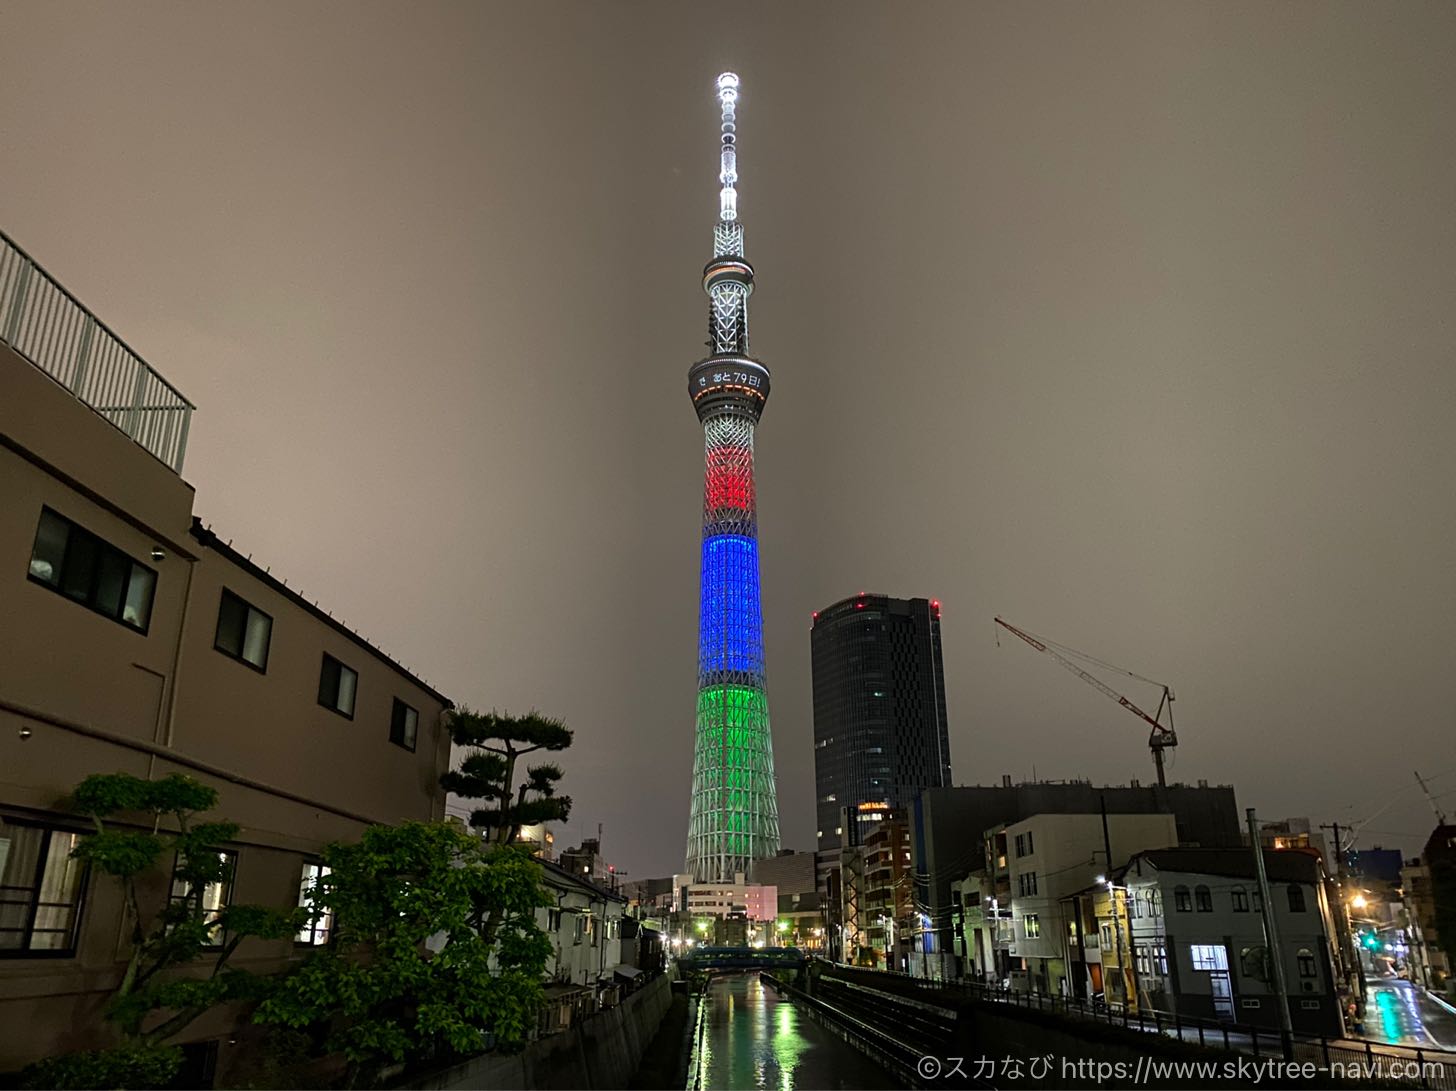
(754, 901)
(880, 732)
(886, 910)
(139, 641)
(1296, 833)
(649, 894)
(587, 861)
(540, 840)
(1440, 860)
(1430, 965)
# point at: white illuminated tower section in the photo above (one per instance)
(735, 811)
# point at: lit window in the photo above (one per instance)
(1033, 925)
(337, 685)
(1208, 956)
(40, 890)
(315, 931)
(243, 631)
(206, 900)
(404, 725)
(74, 562)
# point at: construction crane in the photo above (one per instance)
(1440, 814)
(1163, 736)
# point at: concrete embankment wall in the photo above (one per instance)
(601, 1051)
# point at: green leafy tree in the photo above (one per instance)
(408, 974)
(494, 744)
(162, 941)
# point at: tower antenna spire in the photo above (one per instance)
(728, 156)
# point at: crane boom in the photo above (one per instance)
(1440, 814)
(1163, 735)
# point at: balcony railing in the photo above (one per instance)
(49, 327)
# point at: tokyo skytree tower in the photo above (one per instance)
(735, 811)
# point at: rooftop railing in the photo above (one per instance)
(49, 327)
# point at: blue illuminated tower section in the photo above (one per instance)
(735, 811)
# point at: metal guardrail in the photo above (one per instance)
(1390, 1065)
(49, 327)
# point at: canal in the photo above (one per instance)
(753, 1038)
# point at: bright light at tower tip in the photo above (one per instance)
(728, 81)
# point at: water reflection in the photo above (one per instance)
(754, 1039)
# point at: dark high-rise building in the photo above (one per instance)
(880, 732)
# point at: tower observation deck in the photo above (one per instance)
(735, 811)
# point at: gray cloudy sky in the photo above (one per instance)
(1130, 322)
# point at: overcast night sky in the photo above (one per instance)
(1132, 323)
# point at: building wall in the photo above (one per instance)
(1189, 991)
(791, 872)
(82, 693)
(941, 817)
(880, 730)
(1066, 855)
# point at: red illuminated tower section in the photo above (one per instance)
(735, 812)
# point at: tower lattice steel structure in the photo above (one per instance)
(735, 811)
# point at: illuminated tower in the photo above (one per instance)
(735, 812)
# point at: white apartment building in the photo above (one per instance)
(1031, 866)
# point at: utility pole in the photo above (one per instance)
(1271, 933)
(1349, 951)
(1112, 894)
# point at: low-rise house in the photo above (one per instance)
(1198, 945)
(585, 927)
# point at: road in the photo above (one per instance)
(755, 1039)
(1399, 1013)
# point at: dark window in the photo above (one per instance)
(1296, 899)
(315, 931)
(74, 562)
(1203, 899)
(1306, 963)
(40, 890)
(404, 725)
(337, 686)
(243, 631)
(1241, 900)
(1182, 900)
(206, 899)
(1254, 963)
